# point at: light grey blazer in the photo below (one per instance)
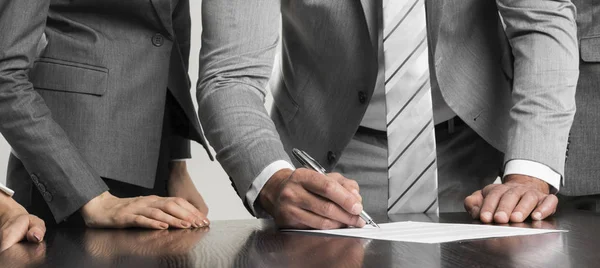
(515, 88)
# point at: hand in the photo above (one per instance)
(514, 200)
(181, 185)
(108, 211)
(16, 224)
(306, 199)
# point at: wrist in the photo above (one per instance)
(9, 208)
(93, 205)
(268, 195)
(528, 180)
(178, 169)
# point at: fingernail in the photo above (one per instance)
(486, 216)
(501, 215)
(518, 216)
(185, 224)
(536, 216)
(357, 209)
(164, 225)
(37, 237)
(206, 223)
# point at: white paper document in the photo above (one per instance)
(426, 232)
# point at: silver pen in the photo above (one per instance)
(311, 163)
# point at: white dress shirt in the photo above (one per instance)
(6, 190)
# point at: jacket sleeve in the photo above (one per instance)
(239, 42)
(57, 169)
(543, 37)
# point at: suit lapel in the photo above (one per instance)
(163, 11)
(371, 8)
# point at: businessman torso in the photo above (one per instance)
(327, 71)
(581, 171)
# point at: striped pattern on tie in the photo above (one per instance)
(412, 165)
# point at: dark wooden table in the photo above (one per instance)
(256, 243)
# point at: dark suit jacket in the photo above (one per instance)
(582, 170)
(83, 86)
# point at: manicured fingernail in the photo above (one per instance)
(501, 216)
(164, 226)
(486, 216)
(357, 209)
(518, 216)
(536, 216)
(206, 223)
(37, 237)
(185, 224)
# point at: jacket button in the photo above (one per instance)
(47, 196)
(362, 97)
(331, 157)
(35, 180)
(158, 40)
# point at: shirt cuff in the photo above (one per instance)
(6, 190)
(534, 169)
(179, 160)
(260, 181)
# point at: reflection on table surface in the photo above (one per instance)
(257, 243)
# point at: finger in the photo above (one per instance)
(506, 205)
(171, 207)
(161, 216)
(490, 203)
(546, 208)
(327, 209)
(312, 220)
(473, 204)
(37, 229)
(201, 220)
(332, 190)
(527, 203)
(350, 185)
(132, 220)
(13, 232)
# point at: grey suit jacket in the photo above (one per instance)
(83, 86)
(582, 169)
(515, 88)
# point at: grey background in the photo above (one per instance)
(209, 178)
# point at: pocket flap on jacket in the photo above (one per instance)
(590, 49)
(58, 75)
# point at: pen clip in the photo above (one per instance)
(307, 161)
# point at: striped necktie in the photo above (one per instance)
(412, 168)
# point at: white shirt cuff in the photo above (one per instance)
(534, 169)
(6, 190)
(260, 181)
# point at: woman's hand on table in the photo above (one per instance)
(181, 185)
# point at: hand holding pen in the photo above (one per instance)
(308, 162)
(306, 199)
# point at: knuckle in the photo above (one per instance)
(179, 200)
(155, 213)
(288, 194)
(328, 187)
(138, 220)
